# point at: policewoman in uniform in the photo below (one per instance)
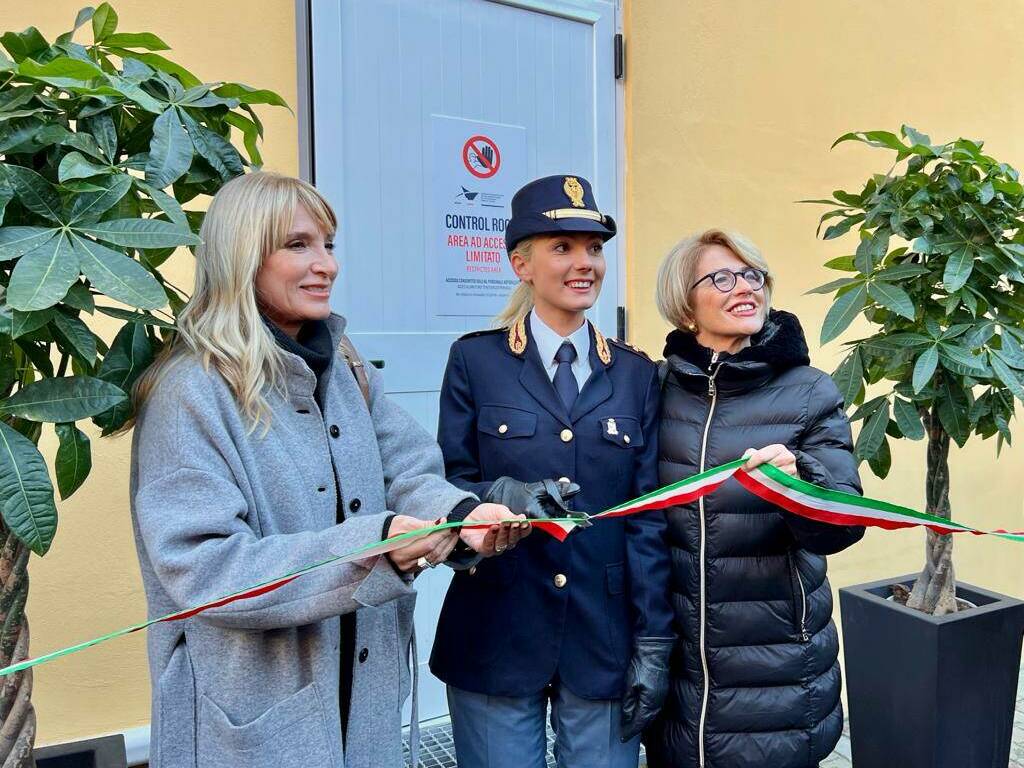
(585, 623)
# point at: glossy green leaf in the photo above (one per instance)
(842, 313)
(129, 356)
(17, 241)
(835, 285)
(19, 324)
(146, 40)
(959, 266)
(214, 149)
(141, 233)
(60, 71)
(42, 276)
(908, 419)
(881, 461)
(156, 61)
(962, 355)
(872, 434)
(88, 207)
(134, 317)
(22, 45)
(104, 22)
(80, 298)
(892, 297)
(33, 191)
(28, 507)
(844, 226)
(248, 95)
(77, 334)
(170, 152)
(901, 272)
(849, 377)
(74, 459)
(925, 367)
(953, 410)
(1006, 375)
(118, 276)
(65, 398)
(76, 166)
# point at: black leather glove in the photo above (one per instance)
(646, 684)
(544, 498)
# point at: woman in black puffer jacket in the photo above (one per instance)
(755, 674)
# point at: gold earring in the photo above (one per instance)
(691, 327)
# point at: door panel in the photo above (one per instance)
(382, 69)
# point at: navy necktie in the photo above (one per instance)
(565, 380)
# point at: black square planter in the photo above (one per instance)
(926, 691)
(102, 752)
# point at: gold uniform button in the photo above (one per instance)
(625, 439)
(560, 580)
(564, 480)
(503, 429)
(566, 435)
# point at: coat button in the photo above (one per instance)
(625, 439)
(560, 580)
(503, 429)
(364, 655)
(566, 435)
(564, 480)
(354, 505)
(334, 430)
(472, 570)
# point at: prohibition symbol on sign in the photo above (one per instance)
(481, 157)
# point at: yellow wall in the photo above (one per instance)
(89, 582)
(731, 109)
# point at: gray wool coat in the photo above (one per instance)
(217, 508)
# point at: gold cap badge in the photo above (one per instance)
(574, 191)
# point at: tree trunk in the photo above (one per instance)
(17, 716)
(935, 589)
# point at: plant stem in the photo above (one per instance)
(935, 589)
(17, 716)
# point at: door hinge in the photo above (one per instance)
(620, 57)
(620, 323)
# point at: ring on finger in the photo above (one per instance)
(424, 563)
(499, 549)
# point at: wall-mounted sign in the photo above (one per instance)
(476, 168)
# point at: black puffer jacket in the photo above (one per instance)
(755, 676)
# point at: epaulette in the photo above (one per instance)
(634, 349)
(484, 332)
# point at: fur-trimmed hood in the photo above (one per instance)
(777, 347)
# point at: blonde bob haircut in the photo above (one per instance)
(248, 219)
(679, 271)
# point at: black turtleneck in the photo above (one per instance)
(313, 344)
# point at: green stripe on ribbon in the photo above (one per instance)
(679, 490)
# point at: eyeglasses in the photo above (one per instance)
(725, 279)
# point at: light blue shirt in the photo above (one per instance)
(548, 343)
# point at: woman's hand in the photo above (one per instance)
(494, 539)
(777, 455)
(433, 548)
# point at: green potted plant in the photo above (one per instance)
(938, 273)
(100, 145)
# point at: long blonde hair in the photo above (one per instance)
(248, 219)
(521, 301)
(678, 272)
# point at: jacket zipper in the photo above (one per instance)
(713, 394)
(799, 610)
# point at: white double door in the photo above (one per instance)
(427, 116)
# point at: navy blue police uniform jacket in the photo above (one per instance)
(550, 611)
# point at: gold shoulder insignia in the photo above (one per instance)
(574, 191)
(517, 337)
(631, 347)
(603, 350)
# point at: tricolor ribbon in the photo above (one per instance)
(770, 483)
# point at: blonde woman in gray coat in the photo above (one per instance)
(257, 450)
